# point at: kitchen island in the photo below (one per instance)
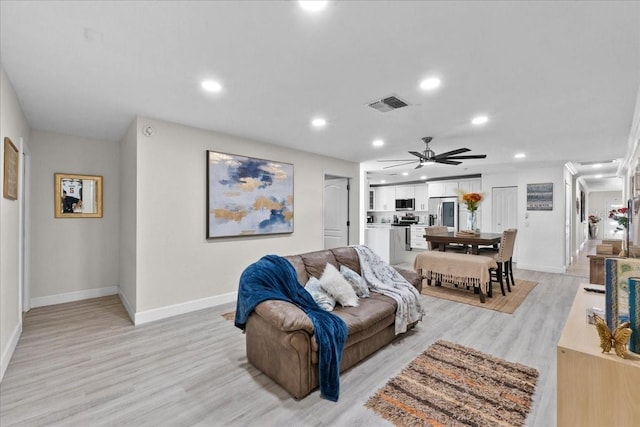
(387, 241)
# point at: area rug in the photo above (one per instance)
(453, 385)
(506, 304)
(230, 315)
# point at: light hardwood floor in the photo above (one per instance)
(85, 364)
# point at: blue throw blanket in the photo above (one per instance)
(274, 278)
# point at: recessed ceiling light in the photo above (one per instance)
(598, 176)
(211, 86)
(405, 173)
(382, 181)
(520, 156)
(597, 165)
(377, 143)
(480, 120)
(423, 177)
(430, 83)
(313, 5)
(318, 122)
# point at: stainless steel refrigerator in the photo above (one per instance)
(444, 211)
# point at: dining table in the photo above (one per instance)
(471, 240)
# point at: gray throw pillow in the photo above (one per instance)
(356, 281)
(323, 299)
(337, 286)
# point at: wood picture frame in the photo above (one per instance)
(11, 170)
(77, 196)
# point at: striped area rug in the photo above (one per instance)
(453, 385)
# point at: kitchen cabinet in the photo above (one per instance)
(450, 188)
(417, 237)
(436, 189)
(421, 193)
(385, 198)
(471, 185)
(405, 192)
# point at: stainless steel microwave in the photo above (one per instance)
(405, 204)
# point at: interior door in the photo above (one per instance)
(504, 210)
(336, 212)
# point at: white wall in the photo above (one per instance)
(128, 224)
(71, 256)
(540, 242)
(13, 125)
(175, 262)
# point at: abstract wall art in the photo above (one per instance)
(248, 196)
(540, 197)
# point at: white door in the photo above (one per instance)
(568, 220)
(336, 212)
(504, 208)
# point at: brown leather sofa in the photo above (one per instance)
(280, 338)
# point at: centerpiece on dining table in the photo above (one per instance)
(472, 202)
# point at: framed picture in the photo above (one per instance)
(11, 170)
(247, 196)
(540, 197)
(77, 196)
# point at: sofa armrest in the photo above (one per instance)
(284, 316)
(411, 277)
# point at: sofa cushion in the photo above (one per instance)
(301, 269)
(315, 262)
(371, 316)
(320, 296)
(337, 286)
(356, 281)
(348, 257)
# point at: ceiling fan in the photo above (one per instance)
(429, 156)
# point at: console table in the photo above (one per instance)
(594, 389)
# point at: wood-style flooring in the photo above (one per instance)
(85, 364)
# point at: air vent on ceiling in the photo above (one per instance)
(389, 103)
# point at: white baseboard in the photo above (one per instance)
(73, 296)
(542, 268)
(11, 347)
(125, 303)
(183, 308)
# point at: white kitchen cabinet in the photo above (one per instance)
(450, 188)
(405, 192)
(421, 193)
(385, 198)
(436, 189)
(417, 237)
(471, 185)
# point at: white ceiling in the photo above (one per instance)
(558, 80)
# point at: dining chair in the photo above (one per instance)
(434, 229)
(504, 258)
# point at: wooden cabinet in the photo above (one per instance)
(422, 197)
(385, 198)
(594, 389)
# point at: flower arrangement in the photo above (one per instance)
(594, 219)
(471, 200)
(620, 216)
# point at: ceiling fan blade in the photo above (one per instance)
(400, 160)
(420, 165)
(447, 162)
(401, 164)
(471, 156)
(451, 153)
(415, 153)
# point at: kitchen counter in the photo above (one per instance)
(386, 241)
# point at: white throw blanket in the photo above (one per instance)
(384, 279)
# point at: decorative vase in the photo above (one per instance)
(472, 221)
(593, 230)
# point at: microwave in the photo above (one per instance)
(405, 204)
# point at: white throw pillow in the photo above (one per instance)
(323, 299)
(337, 286)
(357, 282)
